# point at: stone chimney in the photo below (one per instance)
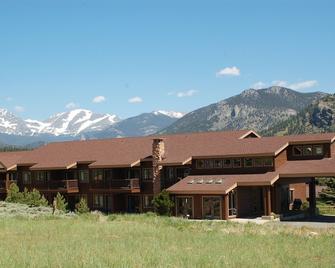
(158, 152)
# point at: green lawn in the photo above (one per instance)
(151, 241)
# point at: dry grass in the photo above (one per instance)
(96, 240)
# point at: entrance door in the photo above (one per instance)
(211, 207)
(133, 204)
(184, 207)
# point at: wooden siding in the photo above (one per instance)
(280, 159)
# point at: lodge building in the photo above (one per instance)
(212, 175)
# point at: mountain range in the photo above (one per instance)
(269, 111)
(79, 124)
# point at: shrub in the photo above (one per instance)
(60, 203)
(162, 203)
(33, 198)
(14, 195)
(82, 207)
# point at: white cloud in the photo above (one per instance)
(19, 109)
(99, 99)
(229, 71)
(135, 100)
(188, 93)
(304, 85)
(71, 105)
(280, 83)
(259, 85)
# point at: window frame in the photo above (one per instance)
(227, 166)
(268, 158)
(184, 197)
(297, 147)
(202, 205)
(315, 149)
(252, 162)
(236, 159)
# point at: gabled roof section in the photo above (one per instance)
(9, 160)
(97, 153)
(221, 184)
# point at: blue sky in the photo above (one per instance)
(140, 56)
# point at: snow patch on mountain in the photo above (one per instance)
(171, 114)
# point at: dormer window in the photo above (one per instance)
(248, 162)
(308, 150)
(318, 149)
(297, 151)
(237, 163)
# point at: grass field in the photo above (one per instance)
(150, 241)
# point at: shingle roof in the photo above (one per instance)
(220, 184)
(179, 149)
(9, 159)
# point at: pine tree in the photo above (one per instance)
(82, 207)
(60, 203)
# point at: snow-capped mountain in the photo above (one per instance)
(12, 125)
(72, 123)
(170, 114)
(80, 123)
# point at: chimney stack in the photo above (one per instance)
(158, 153)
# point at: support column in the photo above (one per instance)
(267, 201)
(312, 197)
(226, 207)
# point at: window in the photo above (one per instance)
(211, 207)
(147, 201)
(147, 174)
(26, 177)
(297, 150)
(98, 201)
(170, 173)
(13, 176)
(258, 162)
(184, 207)
(291, 196)
(97, 175)
(135, 173)
(200, 164)
(318, 149)
(182, 172)
(83, 176)
(268, 162)
(227, 163)
(308, 150)
(237, 163)
(217, 163)
(232, 203)
(42, 176)
(209, 164)
(248, 162)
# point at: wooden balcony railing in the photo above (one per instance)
(117, 184)
(67, 186)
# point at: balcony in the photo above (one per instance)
(61, 186)
(117, 185)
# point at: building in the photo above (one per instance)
(213, 175)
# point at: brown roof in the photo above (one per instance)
(9, 159)
(179, 149)
(118, 152)
(308, 168)
(220, 184)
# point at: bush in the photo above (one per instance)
(32, 199)
(60, 203)
(14, 195)
(163, 204)
(82, 207)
